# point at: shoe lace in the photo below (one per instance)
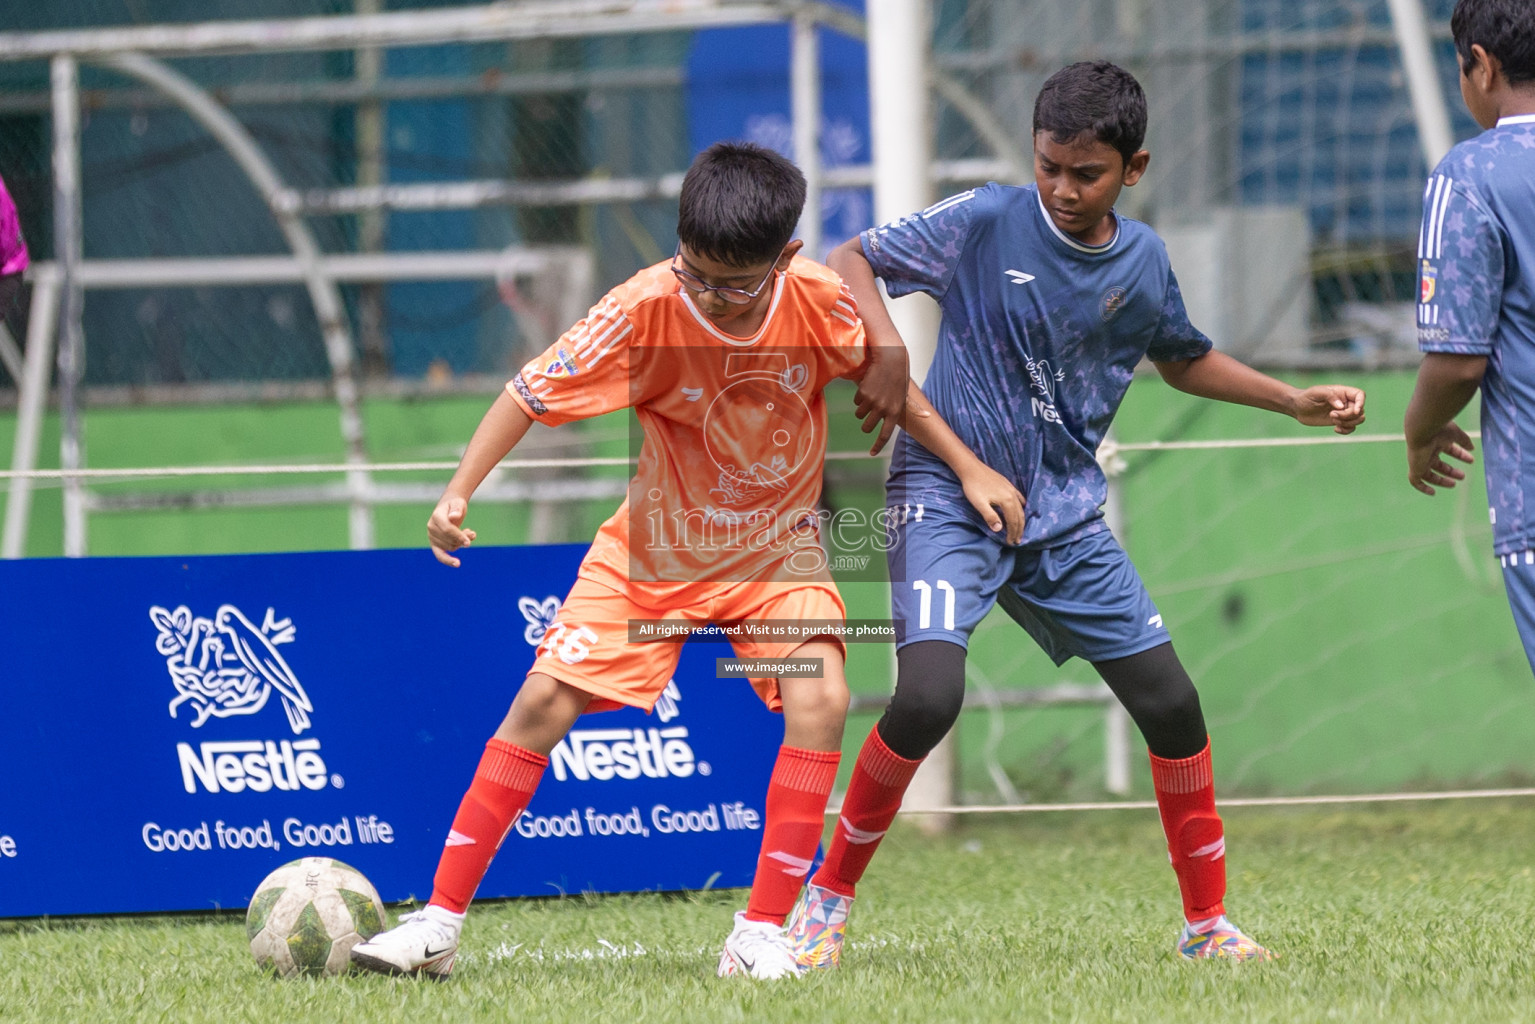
(421, 921)
(765, 941)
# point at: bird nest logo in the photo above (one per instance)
(227, 666)
(1044, 377)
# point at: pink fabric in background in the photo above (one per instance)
(13, 249)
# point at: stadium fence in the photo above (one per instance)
(237, 222)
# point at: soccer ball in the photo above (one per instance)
(308, 914)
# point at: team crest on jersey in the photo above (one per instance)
(1427, 282)
(562, 365)
(1113, 302)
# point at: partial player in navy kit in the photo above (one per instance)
(1476, 309)
(1049, 301)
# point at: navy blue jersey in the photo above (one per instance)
(1039, 339)
(1476, 267)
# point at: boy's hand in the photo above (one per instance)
(1426, 470)
(442, 530)
(881, 396)
(990, 493)
(1331, 405)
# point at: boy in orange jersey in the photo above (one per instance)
(723, 352)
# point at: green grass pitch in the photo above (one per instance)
(1409, 912)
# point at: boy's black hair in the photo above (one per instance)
(1504, 28)
(740, 204)
(1093, 96)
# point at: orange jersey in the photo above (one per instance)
(729, 474)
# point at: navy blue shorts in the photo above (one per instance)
(1080, 599)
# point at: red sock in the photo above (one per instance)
(1195, 839)
(503, 784)
(795, 813)
(880, 778)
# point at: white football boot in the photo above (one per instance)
(423, 943)
(759, 950)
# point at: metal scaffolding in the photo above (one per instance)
(133, 51)
(902, 176)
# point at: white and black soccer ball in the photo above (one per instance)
(308, 914)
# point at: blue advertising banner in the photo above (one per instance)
(177, 727)
(738, 88)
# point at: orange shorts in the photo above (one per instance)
(589, 647)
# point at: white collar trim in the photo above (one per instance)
(1516, 119)
(730, 339)
(1091, 250)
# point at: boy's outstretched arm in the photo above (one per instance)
(503, 425)
(1446, 382)
(989, 492)
(881, 397)
(1218, 376)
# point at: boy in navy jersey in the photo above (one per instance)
(1049, 301)
(1476, 308)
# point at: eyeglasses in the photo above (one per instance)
(735, 296)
